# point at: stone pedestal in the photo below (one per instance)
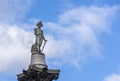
(38, 70)
(38, 60)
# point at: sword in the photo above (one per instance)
(43, 46)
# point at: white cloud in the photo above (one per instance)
(113, 77)
(14, 47)
(13, 10)
(14, 41)
(77, 34)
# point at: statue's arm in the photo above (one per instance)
(44, 37)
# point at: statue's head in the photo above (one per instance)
(39, 24)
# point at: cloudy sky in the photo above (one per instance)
(83, 37)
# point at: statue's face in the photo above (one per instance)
(39, 26)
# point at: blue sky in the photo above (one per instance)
(83, 37)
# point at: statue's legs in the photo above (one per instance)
(39, 43)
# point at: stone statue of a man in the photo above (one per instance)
(39, 36)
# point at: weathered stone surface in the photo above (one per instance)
(38, 60)
(38, 74)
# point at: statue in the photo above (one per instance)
(39, 36)
(38, 70)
